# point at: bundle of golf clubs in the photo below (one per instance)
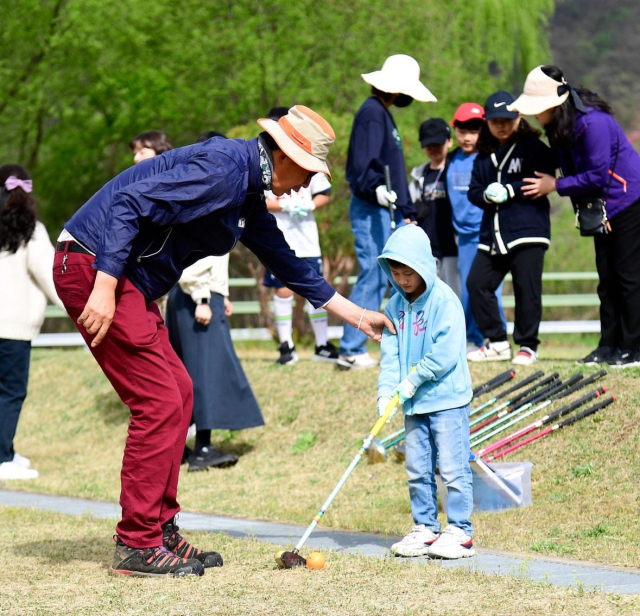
(511, 406)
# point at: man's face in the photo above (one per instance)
(467, 139)
(287, 175)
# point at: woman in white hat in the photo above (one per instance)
(376, 207)
(596, 160)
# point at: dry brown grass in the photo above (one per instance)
(55, 565)
(586, 493)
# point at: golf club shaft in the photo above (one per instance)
(511, 405)
(581, 384)
(391, 437)
(518, 415)
(567, 422)
(541, 422)
(491, 384)
(387, 181)
(506, 392)
(363, 449)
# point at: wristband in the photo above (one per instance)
(203, 300)
(361, 317)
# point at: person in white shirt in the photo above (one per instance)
(294, 215)
(26, 280)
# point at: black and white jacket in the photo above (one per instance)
(520, 220)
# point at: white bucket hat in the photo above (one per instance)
(304, 136)
(400, 74)
(540, 93)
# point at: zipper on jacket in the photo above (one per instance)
(144, 256)
(496, 220)
(409, 366)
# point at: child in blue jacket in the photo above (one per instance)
(435, 397)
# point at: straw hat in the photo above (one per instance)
(304, 136)
(400, 74)
(540, 93)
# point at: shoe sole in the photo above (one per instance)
(225, 464)
(177, 574)
(343, 366)
(466, 554)
(633, 364)
(325, 359)
(410, 553)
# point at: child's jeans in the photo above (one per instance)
(441, 437)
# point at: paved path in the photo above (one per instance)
(559, 572)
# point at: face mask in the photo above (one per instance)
(402, 100)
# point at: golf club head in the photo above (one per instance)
(399, 451)
(291, 560)
(376, 452)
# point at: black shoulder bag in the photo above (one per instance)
(591, 212)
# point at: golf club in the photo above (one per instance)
(377, 452)
(290, 559)
(563, 424)
(493, 383)
(392, 207)
(506, 392)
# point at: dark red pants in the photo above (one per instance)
(138, 360)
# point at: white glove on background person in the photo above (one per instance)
(302, 208)
(383, 402)
(405, 390)
(496, 193)
(385, 197)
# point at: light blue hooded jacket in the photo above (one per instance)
(431, 332)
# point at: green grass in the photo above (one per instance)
(56, 564)
(73, 427)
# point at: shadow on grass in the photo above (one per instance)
(64, 550)
(112, 409)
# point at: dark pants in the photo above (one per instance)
(14, 375)
(618, 265)
(487, 272)
(145, 371)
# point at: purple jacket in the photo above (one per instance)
(597, 137)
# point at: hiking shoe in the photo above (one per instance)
(356, 362)
(21, 460)
(416, 543)
(492, 351)
(174, 541)
(288, 354)
(210, 457)
(326, 352)
(186, 454)
(152, 562)
(13, 470)
(452, 543)
(601, 355)
(625, 358)
(525, 357)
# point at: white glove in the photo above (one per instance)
(385, 197)
(302, 208)
(496, 193)
(405, 390)
(383, 402)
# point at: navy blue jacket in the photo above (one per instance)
(158, 217)
(520, 220)
(374, 143)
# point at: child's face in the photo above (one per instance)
(503, 128)
(409, 281)
(436, 153)
(467, 139)
(142, 151)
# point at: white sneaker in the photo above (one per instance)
(12, 470)
(21, 460)
(493, 351)
(452, 543)
(416, 543)
(357, 362)
(525, 357)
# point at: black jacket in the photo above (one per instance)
(520, 220)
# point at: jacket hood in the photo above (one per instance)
(410, 245)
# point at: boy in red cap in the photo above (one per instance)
(467, 122)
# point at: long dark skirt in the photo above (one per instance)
(223, 399)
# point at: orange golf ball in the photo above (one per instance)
(315, 560)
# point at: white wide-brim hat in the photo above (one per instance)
(400, 74)
(304, 136)
(540, 93)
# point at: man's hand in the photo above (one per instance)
(100, 309)
(385, 197)
(203, 314)
(496, 193)
(405, 390)
(539, 186)
(228, 307)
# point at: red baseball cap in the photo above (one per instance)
(468, 111)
